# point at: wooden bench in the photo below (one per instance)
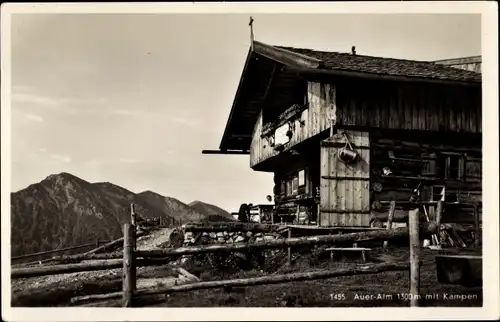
(349, 249)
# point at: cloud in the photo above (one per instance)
(124, 112)
(130, 161)
(187, 121)
(102, 162)
(70, 105)
(34, 99)
(22, 117)
(33, 117)
(94, 163)
(61, 158)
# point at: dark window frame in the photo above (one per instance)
(445, 166)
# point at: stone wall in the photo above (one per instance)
(191, 239)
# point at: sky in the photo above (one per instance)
(132, 99)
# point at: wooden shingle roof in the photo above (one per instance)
(386, 66)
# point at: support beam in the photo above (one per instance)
(269, 83)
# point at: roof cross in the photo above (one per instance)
(251, 31)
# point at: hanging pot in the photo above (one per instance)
(348, 156)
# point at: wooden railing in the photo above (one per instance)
(21, 258)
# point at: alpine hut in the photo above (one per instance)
(345, 134)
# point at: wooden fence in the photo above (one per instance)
(20, 259)
(131, 258)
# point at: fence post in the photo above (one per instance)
(413, 225)
(392, 210)
(133, 216)
(129, 278)
(477, 226)
(439, 210)
(289, 248)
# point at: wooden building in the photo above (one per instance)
(262, 213)
(472, 63)
(345, 134)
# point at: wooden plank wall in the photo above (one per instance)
(407, 174)
(409, 106)
(339, 188)
(473, 67)
(316, 118)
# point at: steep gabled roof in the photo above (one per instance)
(387, 66)
(244, 112)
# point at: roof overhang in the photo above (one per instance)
(237, 152)
(372, 76)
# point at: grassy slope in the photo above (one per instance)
(318, 293)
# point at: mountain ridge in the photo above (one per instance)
(64, 210)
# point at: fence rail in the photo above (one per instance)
(55, 251)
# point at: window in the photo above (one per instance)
(295, 185)
(288, 188)
(454, 165)
(292, 185)
(302, 178)
(451, 166)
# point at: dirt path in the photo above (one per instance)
(155, 239)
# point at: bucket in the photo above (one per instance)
(348, 156)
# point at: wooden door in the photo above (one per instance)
(345, 188)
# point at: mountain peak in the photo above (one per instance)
(64, 178)
(149, 192)
(209, 209)
(64, 175)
